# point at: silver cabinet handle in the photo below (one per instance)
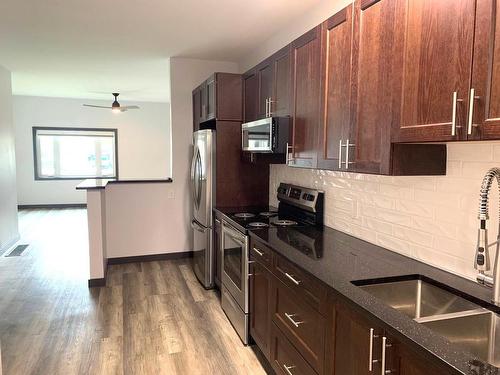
(470, 121)
(347, 162)
(454, 125)
(288, 368)
(267, 107)
(294, 322)
(340, 154)
(385, 345)
(371, 361)
(295, 281)
(288, 158)
(271, 101)
(258, 251)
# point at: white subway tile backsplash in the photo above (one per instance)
(430, 218)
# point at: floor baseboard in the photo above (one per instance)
(150, 258)
(95, 283)
(48, 206)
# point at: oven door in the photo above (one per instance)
(257, 136)
(235, 264)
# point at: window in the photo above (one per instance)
(66, 153)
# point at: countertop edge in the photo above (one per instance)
(92, 184)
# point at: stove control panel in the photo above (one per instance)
(302, 197)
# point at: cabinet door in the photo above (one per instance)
(336, 87)
(375, 60)
(305, 64)
(352, 343)
(250, 95)
(280, 103)
(196, 109)
(436, 69)
(403, 360)
(484, 104)
(266, 78)
(260, 312)
(210, 98)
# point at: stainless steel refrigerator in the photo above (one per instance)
(203, 196)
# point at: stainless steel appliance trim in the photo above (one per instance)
(248, 125)
(235, 314)
(197, 227)
(240, 295)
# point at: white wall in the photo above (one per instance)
(185, 75)
(143, 142)
(429, 218)
(307, 21)
(8, 200)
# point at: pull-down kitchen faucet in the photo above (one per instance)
(482, 258)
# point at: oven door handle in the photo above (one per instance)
(235, 236)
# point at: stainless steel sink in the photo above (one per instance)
(418, 299)
(477, 332)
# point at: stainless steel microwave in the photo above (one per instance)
(267, 135)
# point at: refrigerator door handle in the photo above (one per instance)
(193, 183)
(197, 227)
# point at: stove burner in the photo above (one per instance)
(244, 215)
(268, 213)
(285, 223)
(258, 224)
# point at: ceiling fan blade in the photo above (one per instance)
(95, 106)
(131, 107)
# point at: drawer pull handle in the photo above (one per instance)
(371, 361)
(294, 322)
(385, 345)
(295, 281)
(260, 253)
(288, 368)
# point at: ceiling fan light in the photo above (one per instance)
(115, 110)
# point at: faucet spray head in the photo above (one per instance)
(482, 259)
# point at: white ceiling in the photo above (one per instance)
(89, 48)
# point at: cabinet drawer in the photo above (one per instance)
(305, 286)
(301, 324)
(285, 359)
(261, 253)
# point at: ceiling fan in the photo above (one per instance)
(115, 106)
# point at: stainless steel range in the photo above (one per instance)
(298, 207)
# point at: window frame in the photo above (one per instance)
(37, 176)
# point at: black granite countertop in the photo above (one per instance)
(338, 259)
(98, 183)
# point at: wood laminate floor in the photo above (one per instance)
(151, 318)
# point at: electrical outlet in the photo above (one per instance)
(171, 194)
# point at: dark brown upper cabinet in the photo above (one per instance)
(250, 95)
(197, 108)
(267, 87)
(483, 120)
(373, 64)
(280, 101)
(218, 98)
(336, 86)
(435, 69)
(305, 95)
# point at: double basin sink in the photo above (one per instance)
(462, 322)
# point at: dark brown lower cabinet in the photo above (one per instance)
(360, 346)
(285, 359)
(260, 312)
(301, 323)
